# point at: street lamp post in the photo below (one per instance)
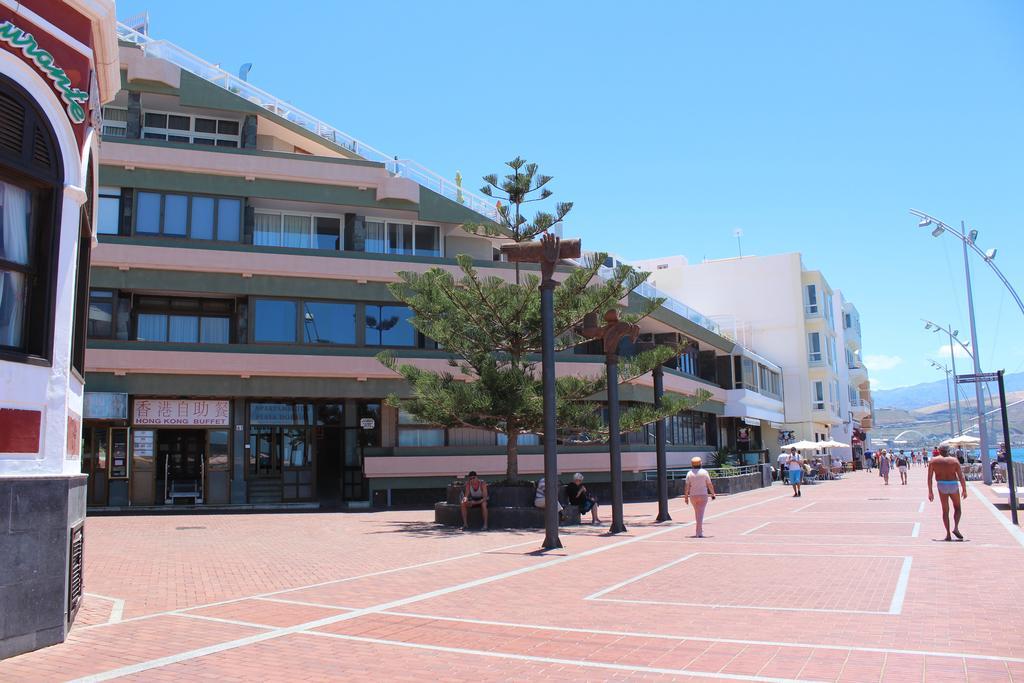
(611, 333)
(969, 241)
(928, 325)
(547, 253)
(949, 398)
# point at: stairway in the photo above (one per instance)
(264, 491)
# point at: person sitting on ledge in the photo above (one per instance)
(577, 494)
(474, 495)
(540, 498)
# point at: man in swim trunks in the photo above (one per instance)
(902, 464)
(949, 476)
(795, 470)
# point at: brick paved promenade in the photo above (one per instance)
(847, 583)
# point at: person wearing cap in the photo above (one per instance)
(698, 488)
(577, 494)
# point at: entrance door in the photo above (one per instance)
(264, 453)
(95, 460)
(329, 452)
(181, 464)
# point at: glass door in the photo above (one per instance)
(95, 451)
(264, 453)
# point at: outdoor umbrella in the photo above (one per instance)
(962, 440)
(801, 446)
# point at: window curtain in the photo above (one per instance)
(184, 328)
(151, 327)
(267, 230)
(297, 232)
(14, 248)
(214, 331)
(375, 238)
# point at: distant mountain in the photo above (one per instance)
(932, 393)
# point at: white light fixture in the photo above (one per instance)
(938, 231)
(956, 333)
(972, 236)
(927, 326)
(925, 222)
(990, 254)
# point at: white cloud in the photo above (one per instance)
(958, 351)
(881, 362)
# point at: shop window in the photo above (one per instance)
(198, 217)
(29, 173)
(101, 314)
(328, 323)
(389, 326)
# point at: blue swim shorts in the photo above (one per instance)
(795, 476)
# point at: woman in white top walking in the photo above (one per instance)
(698, 488)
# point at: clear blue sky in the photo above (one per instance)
(813, 126)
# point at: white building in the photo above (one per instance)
(789, 314)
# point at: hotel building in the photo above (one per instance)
(58, 62)
(239, 297)
(775, 305)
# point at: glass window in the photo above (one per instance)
(328, 233)
(202, 218)
(818, 396)
(148, 218)
(101, 314)
(424, 438)
(814, 347)
(175, 122)
(209, 142)
(428, 242)
(399, 238)
(155, 120)
(151, 327)
(267, 230)
(206, 125)
(214, 330)
(375, 242)
(183, 328)
(296, 232)
(15, 219)
(389, 326)
(175, 214)
(275, 320)
(217, 459)
(329, 323)
(227, 127)
(229, 218)
(811, 299)
(295, 447)
(108, 214)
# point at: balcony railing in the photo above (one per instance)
(651, 292)
(405, 168)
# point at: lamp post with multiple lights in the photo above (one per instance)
(969, 239)
(929, 325)
(949, 397)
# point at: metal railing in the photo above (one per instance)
(406, 168)
(651, 292)
(680, 473)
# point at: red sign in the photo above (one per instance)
(161, 412)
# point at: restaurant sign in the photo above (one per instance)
(44, 61)
(161, 412)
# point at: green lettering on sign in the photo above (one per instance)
(26, 42)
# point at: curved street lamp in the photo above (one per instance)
(952, 334)
(949, 398)
(969, 240)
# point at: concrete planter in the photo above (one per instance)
(737, 484)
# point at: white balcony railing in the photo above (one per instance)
(405, 168)
(651, 292)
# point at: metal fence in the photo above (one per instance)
(716, 472)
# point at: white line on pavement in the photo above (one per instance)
(235, 622)
(896, 606)
(750, 531)
(284, 631)
(598, 594)
(701, 638)
(804, 507)
(116, 608)
(1015, 532)
(552, 660)
(920, 508)
(305, 604)
(382, 572)
(766, 608)
(916, 530)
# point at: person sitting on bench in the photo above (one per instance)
(474, 495)
(577, 494)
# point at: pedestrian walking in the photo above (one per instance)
(884, 464)
(869, 461)
(902, 465)
(796, 471)
(949, 476)
(698, 489)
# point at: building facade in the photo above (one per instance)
(775, 305)
(58, 62)
(239, 298)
